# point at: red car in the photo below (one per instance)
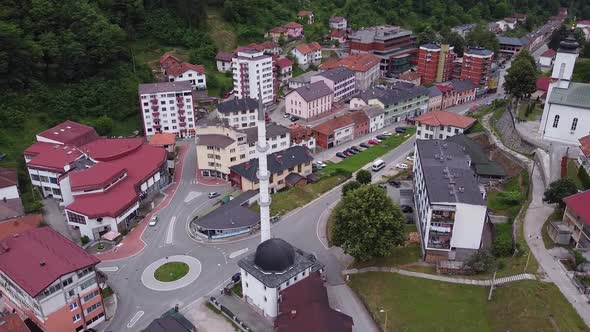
(266, 117)
(346, 153)
(373, 142)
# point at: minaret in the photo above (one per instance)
(263, 174)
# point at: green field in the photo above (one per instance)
(398, 256)
(171, 271)
(501, 207)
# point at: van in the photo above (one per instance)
(378, 164)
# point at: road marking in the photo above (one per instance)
(317, 231)
(109, 269)
(170, 234)
(237, 253)
(135, 318)
(192, 195)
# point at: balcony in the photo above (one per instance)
(180, 105)
(182, 124)
(437, 241)
(181, 118)
(181, 111)
(155, 101)
(156, 114)
(156, 120)
(179, 98)
(155, 107)
(157, 127)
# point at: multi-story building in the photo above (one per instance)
(510, 46)
(364, 66)
(457, 92)
(278, 138)
(477, 65)
(167, 108)
(284, 70)
(338, 22)
(302, 80)
(334, 131)
(50, 280)
(441, 125)
(309, 101)
(435, 62)
(340, 80)
(239, 113)
(294, 162)
(307, 55)
(253, 74)
(577, 217)
(376, 117)
(195, 74)
(450, 205)
(400, 102)
(302, 136)
(434, 99)
(361, 123)
(394, 46)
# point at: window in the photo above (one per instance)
(35, 177)
(73, 306)
(232, 150)
(555, 121)
(67, 282)
(54, 180)
(242, 156)
(87, 284)
(76, 218)
(93, 307)
(574, 124)
(91, 296)
(84, 272)
(76, 318)
(232, 159)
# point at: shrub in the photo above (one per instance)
(584, 178)
(84, 239)
(510, 197)
(481, 262)
(502, 244)
(363, 176)
(350, 186)
(579, 258)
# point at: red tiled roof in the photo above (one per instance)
(443, 118)
(267, 45)
(161, 139)
(550, 53)
(543, 83)
(278, 30)
(95, 177)
(293, 25)
(584, 22)
(19, 225)
(308, 48)
(444, 88)
(70, 132)
(509, 19)
(303, 13)
(224, 56)
(169, 58)
(579, 204)
(336, 19)
(37, 258)
(12, 323)
(354, 62)
(359, 117)
(337, 33)
(181, 68)
(11, 208)
(51, 156)
(409, 76)
(284, 62)
(585, 145)
(328, 127)
(105, 149)
(8, 177)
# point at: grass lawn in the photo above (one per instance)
(355, 162)
(514, 184)
(171, 271)
(221, 32)
(398, 256)
(537, 111)
(415, 304)
(572, 173)
(237, 289)
(106, 292)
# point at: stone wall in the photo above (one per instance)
(510, 136)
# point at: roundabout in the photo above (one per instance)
(170, 273)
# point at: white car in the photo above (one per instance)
(286, 115)
(153, 221)
(401, 166)
(376, 139)
(386, 133)
(410, 158)
(320, 164)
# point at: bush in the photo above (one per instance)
(363, 176)
(579, 258)
(502, 244)
(350, 186)
(84, 239)
(510, 197)
(481, 262)
(125, 231)
(584, 178)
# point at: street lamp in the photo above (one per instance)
(384, 311)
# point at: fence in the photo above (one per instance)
(227, 313)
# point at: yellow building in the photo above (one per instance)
(218, 148)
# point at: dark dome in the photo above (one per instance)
(569, 44)
(274, 255)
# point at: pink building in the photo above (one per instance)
(294, 30)
(309, 101)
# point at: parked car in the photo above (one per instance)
(395, 183)
(293, 119)
(373, 142)
(376, 139)
(347, 153)
(153, 221)
(213, 194)
(320, 164)
(340, 155)
(351, 150)
(382, 186)
(386, 133)
(286, 115)
(400, 130)
(407, 209)
(356, 148)
(382, 137)
(410, 158)
(236, 277)
(365, 145)
(401, 166)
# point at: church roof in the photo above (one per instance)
(576, 95)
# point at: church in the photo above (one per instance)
(566, 115)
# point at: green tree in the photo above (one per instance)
(481, 262)
(525, 55)
(350, 186)
(103, 125)
(482, 37)
(428, 35)
(363, 176)
(558, 190)
(520, 81)
(455, 40)
(584, 178)
(368, 223)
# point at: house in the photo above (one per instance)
(464, 91)
(340, 80)
(51, 281)
(296, 159)
(278, 138)
(434, 99)
(411, 77)
(305, 307)
(361, 123)
(306, 16)
(494, 27)
(307, 55)
(230, 219)
(442, 124)
(169, 59)
(223, 61)
(463, 29)
(195, 74)
(376, 117)
(510, 46)
(277, 33)
(302, 80)
(449, 97)
(435, 62)
(334, 131)
(546, 59)
(167, 108)
(238, 113)
(294, 30)
(364, 66)
(164, 140)
(508, 23)
(577, 218)
(338, 22)
(450, 205)
(542, 85)
(584, 156)
(484, 168)
(338, 35)
(275, 266)
(253, 75)
(302, 136)
(477, 65)
(284, 68)
(309, 101)
(10, 203)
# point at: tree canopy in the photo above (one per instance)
(482, 37)
(558, 190)
(363, 176)
(521, 77)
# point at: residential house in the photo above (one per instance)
(442, 125)
(278, 138)
(296, 159)
(546, 59)
(164, 140)
(277, 33)
(334, 131)
(307, 55)
(477, 65)
(294, 30)
(464, 91)
(10, 203)
(584, 156)
(267, 47)
(338, 22)
(51, 281)
(450, 204)
(309, 101)
(338, 35)
(508, 23)
(435, 62)
(284, 70)
(361, 123)
(306, 16)
(195, 74)
(376, 117)
(464, 29)
(449, 97)
(302, 80)
(434, 99)
(511, 46)
(340, 80)
(494, 27)
(238, 113)
(169, 59)
(410, 77)
(302, 136)
(223, 61)
(254, 76)
(577, 218)
(364, 66)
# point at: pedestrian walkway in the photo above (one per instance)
(455, 280)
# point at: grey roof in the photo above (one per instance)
(304, 78)
(433, 91)
(165, 87)
(337, 74)
(512, 41)
(447, 174)
(373, 111)
(379, 33)
(463, 85)
(577, 95)
(479, 51)
(236, 105)
(314, 91)
(293, 178)
(464, 27)
(232, 215)
(479, 159)
(277, 162)
(431, 46)
(301, 261)
(220, 141)
(166, 324)
(390, 96)
(224, 56)
(272, 130)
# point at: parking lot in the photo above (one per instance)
(404, 196)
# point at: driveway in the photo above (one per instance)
(55, 217)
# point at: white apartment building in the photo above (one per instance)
(307, 55)
(278, 138)
(253, 73)
(442, 124)
(167, 108)
(239, 113)
(376, 117)
(340, 80)
(450, 205)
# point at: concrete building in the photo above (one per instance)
(167, 108)
(477, 65)
(442, 125)
(254, 75)
(284, 70)
(577, 218)
(340, 80)
(51, 281)
(218, 148)
(411, 77)
(376, 117)
(364, 66)
(334, 131)
(546, 59)
(238, 113)
(457, 92)
(10, 203)
(302, 136)
(394, 46)
(463, 29)
(307, 55)
(339, 35)
(302, 80)
(195, 74)
(309, 101)
(361, 123)
(450, 205)
(510, 46)
(435, 62)
(338, 22)
(434, 99)
(486, 169)
(278, 138)
(223, 61)
(294, 30)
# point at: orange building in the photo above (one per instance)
(435, 63)
(477, 64)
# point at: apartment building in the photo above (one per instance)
(309, 101)
(334, 131)
(364, 66)
(511, 46)
(477, 65)
(307, 55)
(394, 46)
(340, 80)
(450, 205)
(239, 113)
(167, 108)
(278, 138)
(50, 280)
(442, 125)
(254, 74)
(284, 70)
(435, 62)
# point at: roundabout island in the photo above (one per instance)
(170, 273)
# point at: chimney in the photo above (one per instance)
(247, 165)
(279, 159)
(293, 314)
(42, 263)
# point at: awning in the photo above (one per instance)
(111, 235)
